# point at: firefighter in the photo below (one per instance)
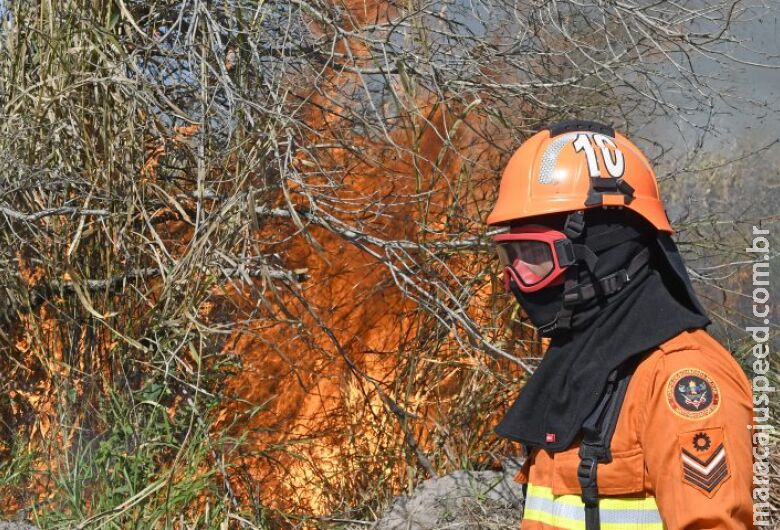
(636, 418)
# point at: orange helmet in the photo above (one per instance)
(575, 165)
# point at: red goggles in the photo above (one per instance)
(533, 256)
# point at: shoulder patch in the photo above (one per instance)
(703, 459)
(692, 394)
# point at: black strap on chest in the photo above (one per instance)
(597, 431)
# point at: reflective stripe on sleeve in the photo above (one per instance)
(568, 511)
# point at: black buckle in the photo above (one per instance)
(601, 185)
(612, 185)
(586, 471)
(605, 184)
(565, 252)
(578, 293)
(571, 297)
(586, 475)
(614, 282)
(626, 188)
(575, 224)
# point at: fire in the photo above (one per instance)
(347, 384)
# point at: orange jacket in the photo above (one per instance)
(681, 452)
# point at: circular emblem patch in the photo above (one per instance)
(692, 394)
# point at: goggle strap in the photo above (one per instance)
(564, 250)
(568, 253)
(583, 253)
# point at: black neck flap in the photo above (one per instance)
(567, 384)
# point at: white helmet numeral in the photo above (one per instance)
(615, 167)
(613, 158)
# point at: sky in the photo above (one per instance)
(747, 111)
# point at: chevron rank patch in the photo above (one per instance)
(703, 459)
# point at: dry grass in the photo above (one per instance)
(245, 273)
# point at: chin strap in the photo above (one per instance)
(606, 285)
(571, 255)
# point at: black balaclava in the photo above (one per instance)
(604, 331)
(615, 238)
